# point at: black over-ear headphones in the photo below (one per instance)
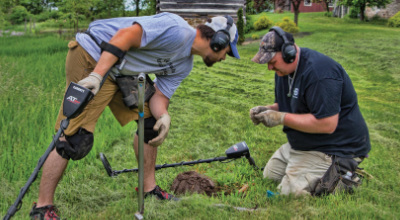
(288, 49)
(222, 38)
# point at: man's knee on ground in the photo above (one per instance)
(76, 146)
(274, 170)
(149, 133)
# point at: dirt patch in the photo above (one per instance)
(297, 35)
(302, 34)
(250, 41)
(192, 182)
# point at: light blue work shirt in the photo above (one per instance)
(165, 49)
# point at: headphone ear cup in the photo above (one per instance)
(289, 52)
(219, 41)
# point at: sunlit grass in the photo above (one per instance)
(209, 114)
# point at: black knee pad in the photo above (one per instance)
(149, 133)
(77, 146)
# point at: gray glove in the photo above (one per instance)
(257, 110)
(270, 118)
(162, 126)
(92, 82)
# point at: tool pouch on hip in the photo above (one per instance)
(340, 177)
(129, 89)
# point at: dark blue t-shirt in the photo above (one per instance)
(323, 88)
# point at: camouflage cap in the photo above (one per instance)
(269, 45)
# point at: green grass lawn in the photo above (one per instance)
(209, 114)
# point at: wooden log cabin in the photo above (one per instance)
(198, 11)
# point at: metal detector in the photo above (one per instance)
(141, 93)
(75, 100)
(236, 151)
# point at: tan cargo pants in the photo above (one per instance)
(297, 171)
(79, 64)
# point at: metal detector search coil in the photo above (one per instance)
(236, 151)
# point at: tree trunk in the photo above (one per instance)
(137, 2)
(362, 9)
(296, 5)
(77, 25)
(327, 6)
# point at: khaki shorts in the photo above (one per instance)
(297, 171)
(80, 64)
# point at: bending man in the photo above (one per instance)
(163, 44)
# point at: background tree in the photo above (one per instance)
(361, 5)
(149, 7)
(240, 26)
(261, 5)
(136, 3)
(75, 10)
(107, 8)
(7, 5)
(19, 15)
(250, 10)
(279, 4)
(34, 6)
(296, 5)
(144, 7)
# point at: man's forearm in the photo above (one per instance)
(309, 124)
(106, 61)
(158, 104)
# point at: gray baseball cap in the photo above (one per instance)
(220, 23)
(269, 45)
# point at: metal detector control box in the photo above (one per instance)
(238, 150)
(75, 100)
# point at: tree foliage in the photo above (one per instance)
(240, 26)
(260, 5)
(34, 6)
(394, 21)
(250, 10)
(18, 15)
(362, 4)
(144, 7)
(106, 8)
(75, 10)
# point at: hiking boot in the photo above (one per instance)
(44, 213)
(160, 194)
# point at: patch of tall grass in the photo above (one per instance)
(209, 114)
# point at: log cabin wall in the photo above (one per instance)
(198, 11)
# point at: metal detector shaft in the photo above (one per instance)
(141, 93)
(18, 202)
(183, 163)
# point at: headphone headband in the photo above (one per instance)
(222, 38)
(288, 48)
(281, 34)
(229, 22)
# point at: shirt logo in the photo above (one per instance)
(296, 93)
(169, 66)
